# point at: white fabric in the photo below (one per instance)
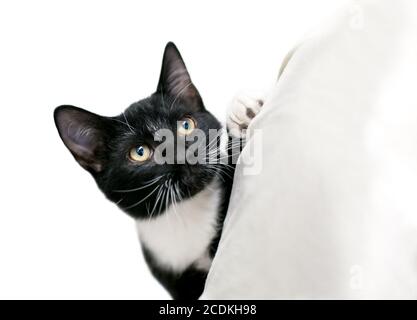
(333, 212)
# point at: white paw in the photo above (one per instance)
(241, 112)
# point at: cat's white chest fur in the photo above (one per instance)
(182, 235)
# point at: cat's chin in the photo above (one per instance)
(194, 181)
(178, 187)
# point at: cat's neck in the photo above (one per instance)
(182, 235)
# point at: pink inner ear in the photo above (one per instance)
(77, 131)
(80, 146)
(179, 82)
(175, 79)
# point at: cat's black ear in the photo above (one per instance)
(175, 80)
(84, 134)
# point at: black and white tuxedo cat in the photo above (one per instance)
(179, 208)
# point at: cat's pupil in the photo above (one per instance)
(186, 125)
(140, 151)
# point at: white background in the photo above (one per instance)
(59, 237)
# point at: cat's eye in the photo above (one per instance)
(140, 153)
(186, 126)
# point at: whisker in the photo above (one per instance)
(127, 123)
(178, 191)
(151, 182)
(167, 185)
(162, 198)
(156, 201)
(174, 194)
(138, 203)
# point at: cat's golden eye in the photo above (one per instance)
(186, 126)
(140, 153)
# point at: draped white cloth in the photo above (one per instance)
(333, 211)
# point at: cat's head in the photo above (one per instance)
(121, 152)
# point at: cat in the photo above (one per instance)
(179, 208)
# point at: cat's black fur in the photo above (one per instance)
(101, 146)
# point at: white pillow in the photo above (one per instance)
(333, 212)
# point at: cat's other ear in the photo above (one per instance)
(85, 135)
(175, 80)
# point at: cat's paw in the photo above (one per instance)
(240, 113)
